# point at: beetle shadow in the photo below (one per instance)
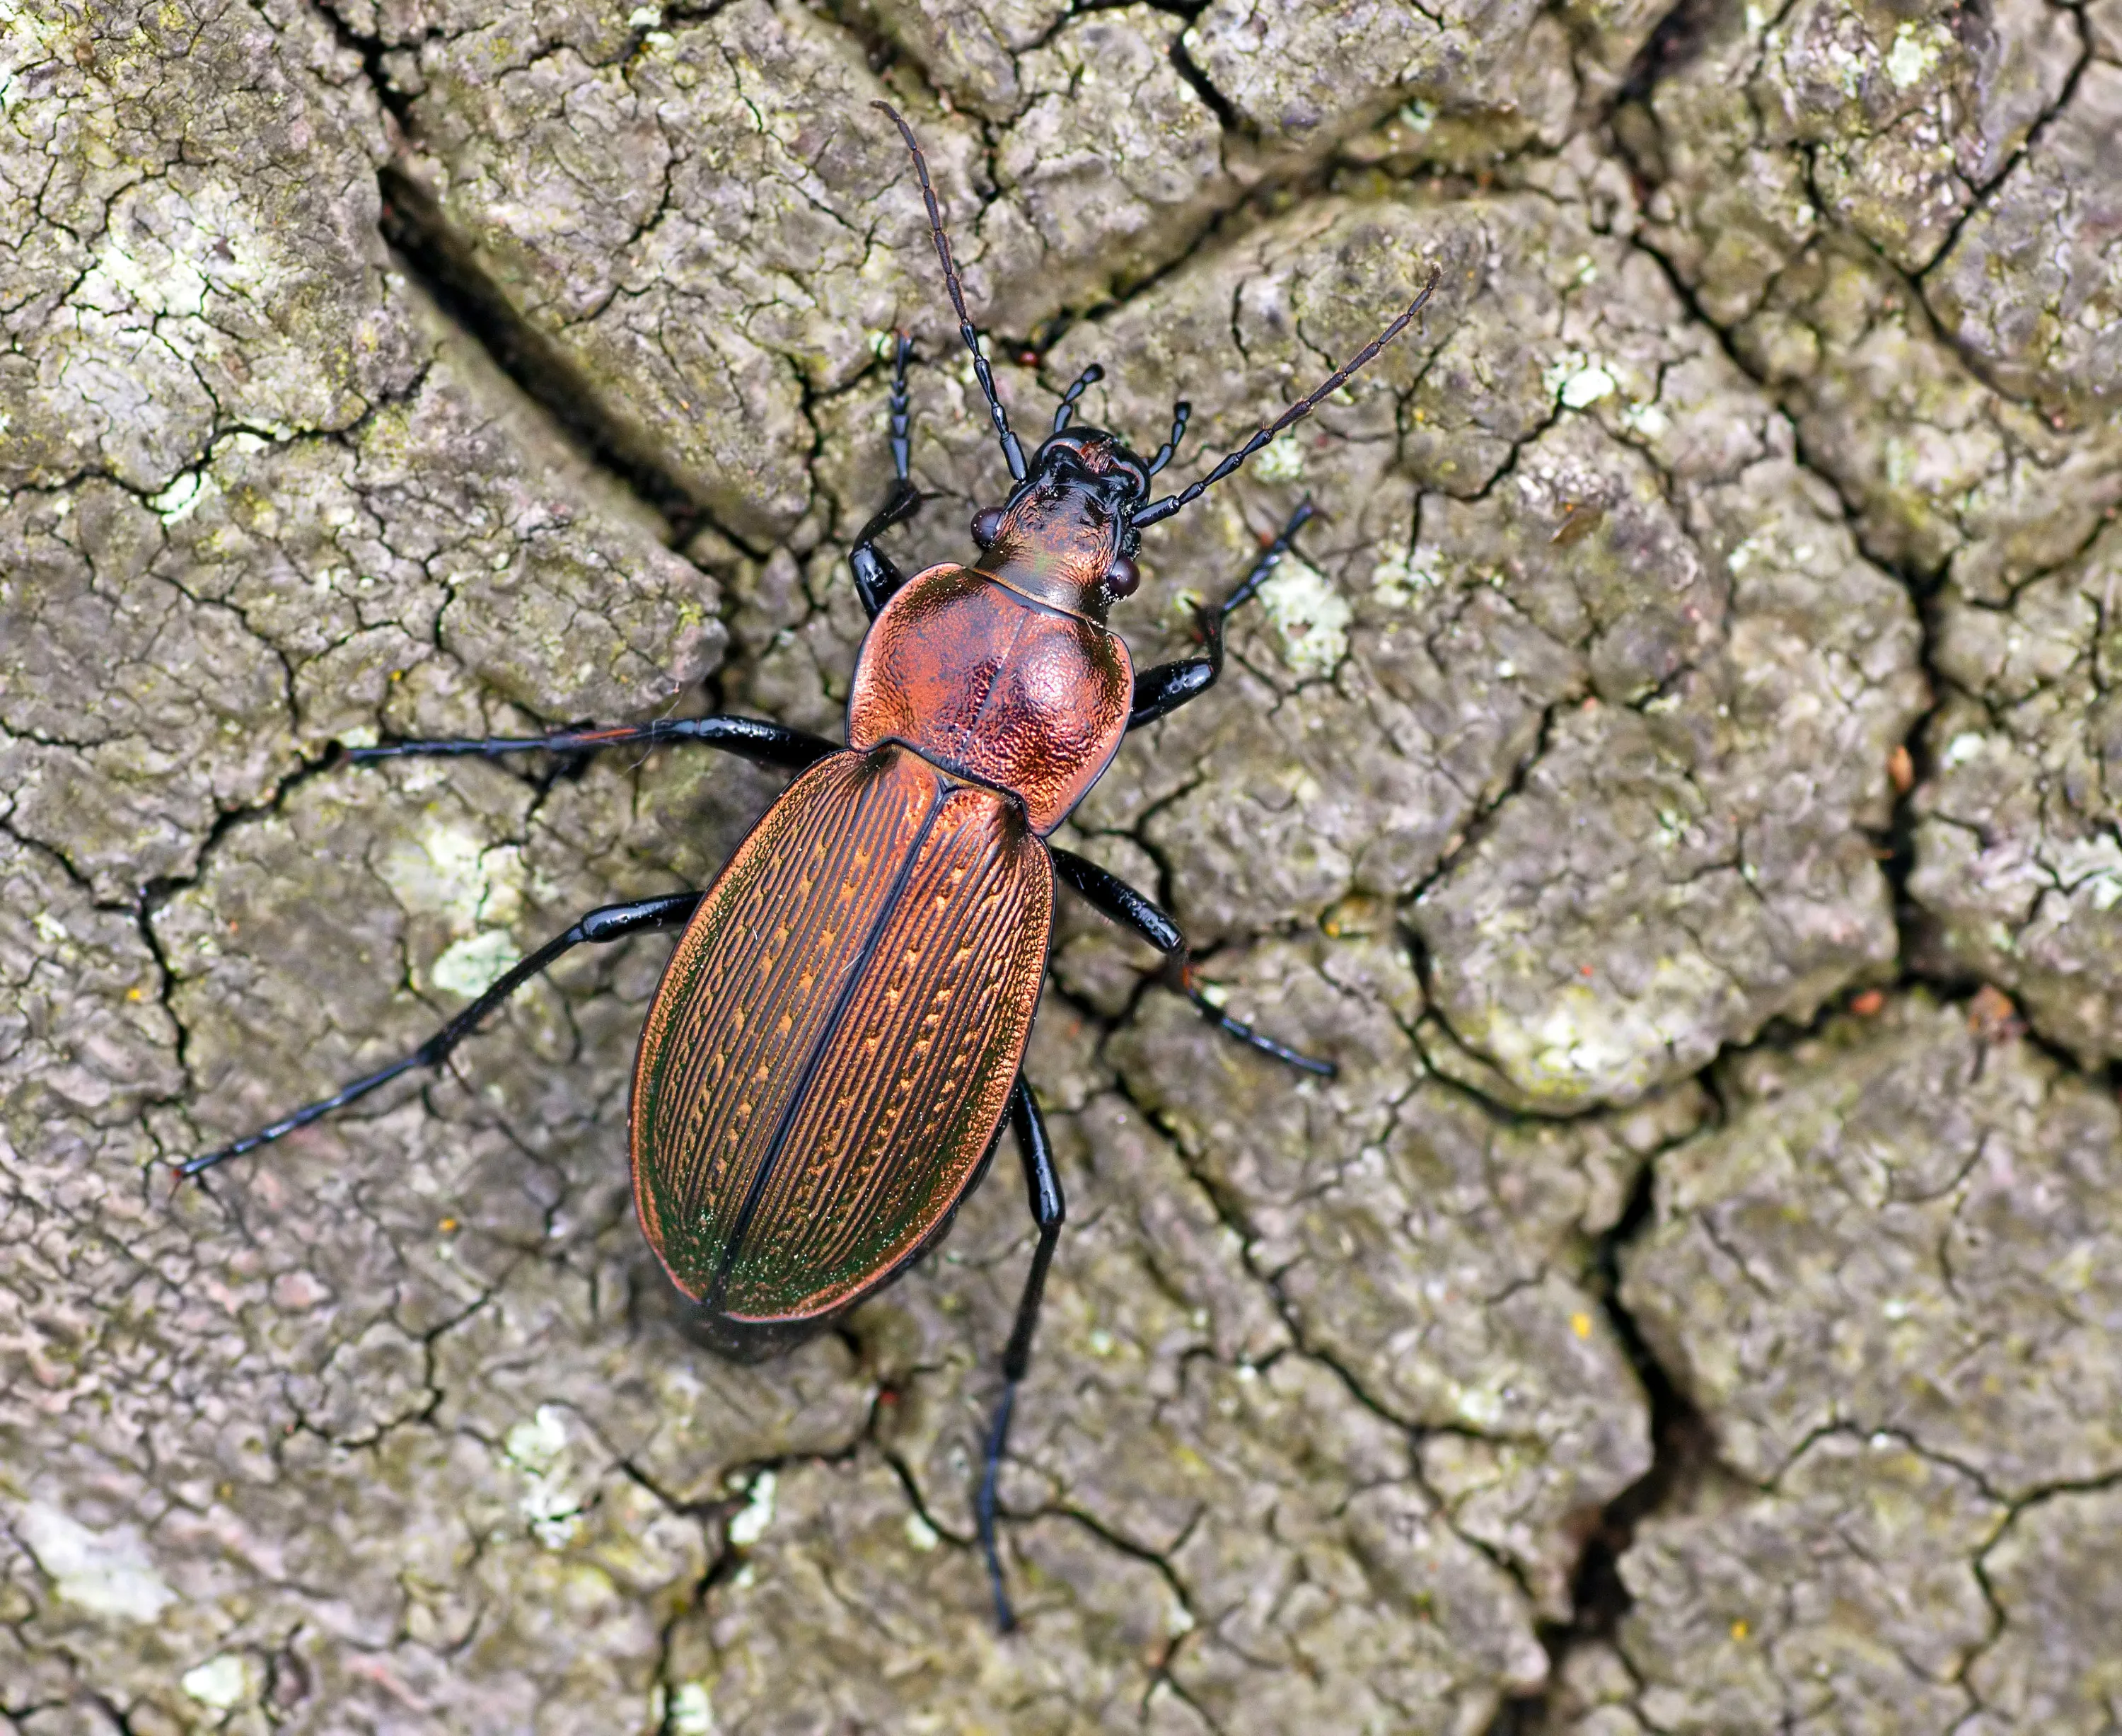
(656, 1304)
(739, 1341)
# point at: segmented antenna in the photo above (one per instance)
(1164, 508)
(1179, 413)
(1089, 377)
(1011, 451)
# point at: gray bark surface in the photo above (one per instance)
(1673, 780)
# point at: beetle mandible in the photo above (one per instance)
(839, 1035)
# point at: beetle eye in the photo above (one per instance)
(1123, 576)
(987, 525)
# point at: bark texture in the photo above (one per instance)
(1676, 780)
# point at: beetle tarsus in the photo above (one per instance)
(877, 576)
(1181, 412)
(1160, 691)
(1042, 1184)
(984, 1508)
(1088, 378)
(1269, 558)
(1188, 984)
(899, 416)
(301, 1117)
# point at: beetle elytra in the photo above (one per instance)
(837, 1041)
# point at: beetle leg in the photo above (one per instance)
(750, 738)
(612, 922)
(1048, 1210)
(877, 576)
(1114, 897)
(1179, 977)
(1160, 691)
(1181, 413)
(899, 417)
(1088, 378)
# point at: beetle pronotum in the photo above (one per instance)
(838, 1037)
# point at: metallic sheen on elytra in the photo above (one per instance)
(833, 1046)
(835, 1038)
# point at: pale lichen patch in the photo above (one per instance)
(749, 1524)
(223, 1683)
(107, 1573)
(470, 967)
(1310, 617)
(549, 1505)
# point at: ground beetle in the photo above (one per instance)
(837, 1039)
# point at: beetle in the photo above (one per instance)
(839, 1036)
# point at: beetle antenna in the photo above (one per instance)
(1011, 450)
(1089, 377)
(1179, 412)
(1164, 508)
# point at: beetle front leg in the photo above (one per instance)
(1159, 691)
(1048, 1210)
(877, 576)
(1113, 896)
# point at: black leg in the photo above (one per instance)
(612, 922)
(1088, 378)
(1048, 1210)
(1181, 412)
(899, 418)
(750, 738)
(875, 575)
(1114, 897)
(1159, 691)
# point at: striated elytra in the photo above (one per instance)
(839, 1036)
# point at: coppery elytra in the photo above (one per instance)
(838, 1037)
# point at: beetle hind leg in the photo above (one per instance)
(1048, 1210)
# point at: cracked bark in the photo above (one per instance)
(1553, 790)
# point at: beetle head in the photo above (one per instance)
(1067, 532)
